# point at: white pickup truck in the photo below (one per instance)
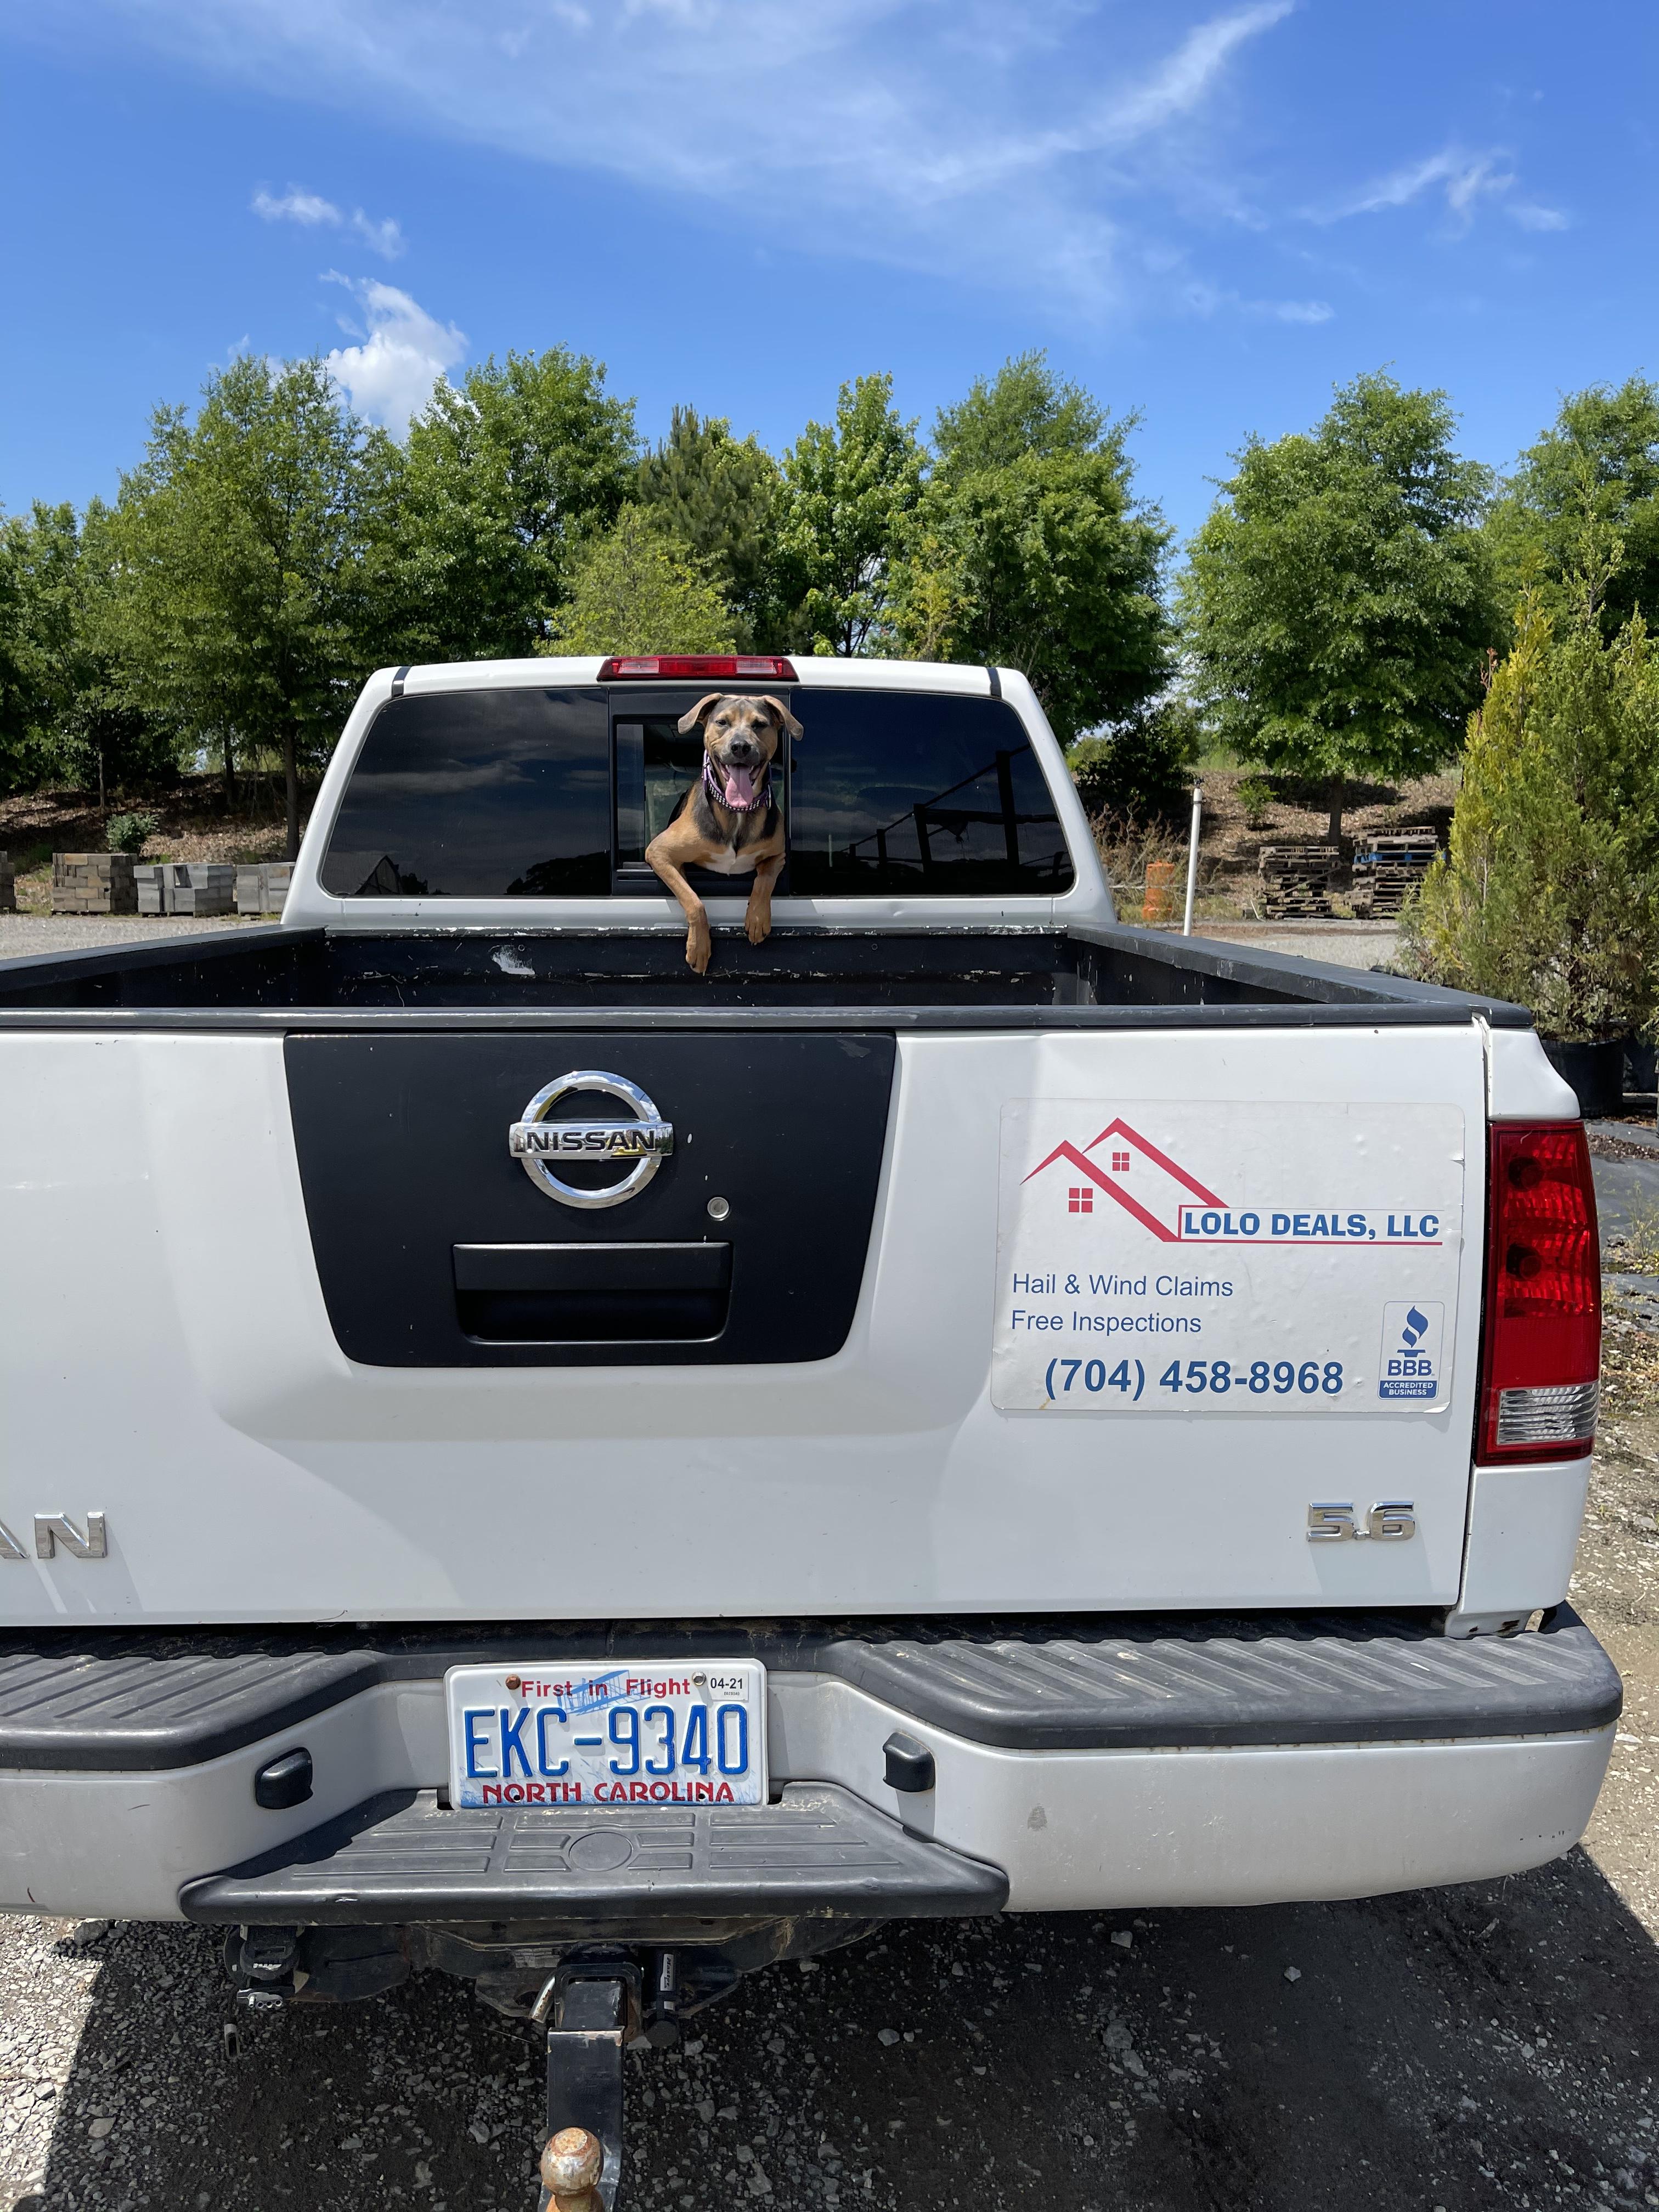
(523, 1460)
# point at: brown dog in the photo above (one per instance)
(728, 820)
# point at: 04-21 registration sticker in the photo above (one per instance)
(1161, 1256)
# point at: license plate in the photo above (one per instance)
(647, 1732)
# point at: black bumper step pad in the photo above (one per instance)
(75, 1701)
(821, 1853)
(1118, 1692)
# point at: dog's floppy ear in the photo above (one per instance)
(695, 718)
(790, 726)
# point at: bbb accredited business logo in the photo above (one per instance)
(1409, 1366)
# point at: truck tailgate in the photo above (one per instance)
(861, 1427)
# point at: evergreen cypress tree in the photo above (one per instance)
(1550, 893)
(717, 495)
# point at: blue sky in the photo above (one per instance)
(1209, 215)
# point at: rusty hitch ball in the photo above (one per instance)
(570, 2170)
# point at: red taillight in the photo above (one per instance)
(1542, 1352)
(745, 667)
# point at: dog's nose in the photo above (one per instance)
(742, 750)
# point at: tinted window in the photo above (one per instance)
(909, 792)
(478, 794)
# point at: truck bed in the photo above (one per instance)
(1100, 976)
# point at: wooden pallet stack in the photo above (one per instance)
(1387, 868)
(1297, 879)
(93, 882)
(262, 886)
(8, 885)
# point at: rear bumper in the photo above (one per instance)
(1098, 1764)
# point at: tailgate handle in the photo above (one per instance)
(593, 1267)
(592, 1293)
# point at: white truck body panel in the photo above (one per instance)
(249, 1471)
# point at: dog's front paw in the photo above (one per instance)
(698, 947)
(758, 927)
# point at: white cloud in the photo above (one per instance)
(296, 205)
(401, 352)
(310, 210)
(1463, 180)
(1013, 146)
(384, 237)
(1206, 300)
(1177, 87)
(1531, 217)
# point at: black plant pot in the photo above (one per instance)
(1596, 1072)
(1639, 1060)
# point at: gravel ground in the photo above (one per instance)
(1338, 944)
(22, 934)
(1491, 2045)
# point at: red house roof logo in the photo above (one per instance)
(1129, 1141)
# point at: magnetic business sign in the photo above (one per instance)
(1168, 1256)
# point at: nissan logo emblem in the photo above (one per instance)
(535, 1143)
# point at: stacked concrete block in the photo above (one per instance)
(262, 886)
(8, 885)
(93, 882)
(185, 887)
(204, 887)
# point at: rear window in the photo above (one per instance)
(551, 794)
(478, 794)
(904, 791)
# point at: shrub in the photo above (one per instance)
(1143, 771)
(128, 833)
(1549, 894)
(1255, 796)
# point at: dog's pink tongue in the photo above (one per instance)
(739, 786)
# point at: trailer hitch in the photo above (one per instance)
(592, 2010)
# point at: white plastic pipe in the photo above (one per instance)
(1192, 858)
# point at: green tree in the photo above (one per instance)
(1549, 894)
(849, 487)
(719, 497)
(1029, 548)
(117, 736)
(1339, 600)
(1141, 771)
(480, 518)
(236, 593)
(633, 591)
(61, 714)
(1024, 409)
(1596, 466)
(25, 707)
